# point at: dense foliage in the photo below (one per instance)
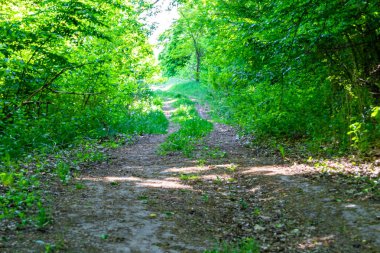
(72, 75)
(71, 69)
(296, 69)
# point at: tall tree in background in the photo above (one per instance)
(183, 43)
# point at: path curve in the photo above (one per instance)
(136, 202)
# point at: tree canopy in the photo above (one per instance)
(299, 69)
(69, 68)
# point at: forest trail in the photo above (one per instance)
(140, 201)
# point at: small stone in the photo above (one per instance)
(40, 242)
(258, 228)
(295, 231)
(265, 218)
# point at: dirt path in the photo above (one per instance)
(136, 202)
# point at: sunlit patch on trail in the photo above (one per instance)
(217, 177)
(169, 110)
(316, 242)
(170, 102)
(255, 189)
(186, 170)
(266, 170)
(166, 183)
(163, 87)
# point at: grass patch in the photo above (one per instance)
(192, 127)
(179, 88)
(185, 88)
(247, 245)
(189, 177)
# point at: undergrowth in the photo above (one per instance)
(309, 133)
(56, 154)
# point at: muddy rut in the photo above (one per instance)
(137, 202)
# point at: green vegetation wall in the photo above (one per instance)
(295, 69)
(70, 69)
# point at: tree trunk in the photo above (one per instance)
(198, 67)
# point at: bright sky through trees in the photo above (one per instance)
(164, 17)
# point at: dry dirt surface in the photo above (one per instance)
(140, 201)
